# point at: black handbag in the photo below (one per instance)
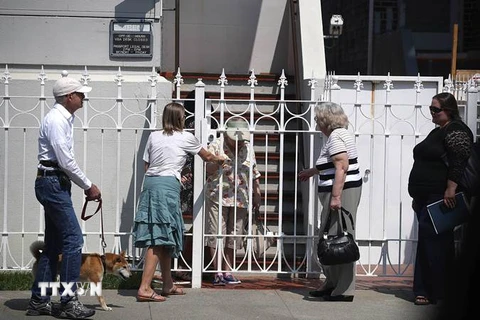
(340, 248)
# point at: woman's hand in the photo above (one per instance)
(186, 178)
(222, 159)
(449, 198)
(305, 174)
(336, 202)
(449, 194)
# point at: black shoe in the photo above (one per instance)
(320, 293)
(340, 297)
(73, 309)
(39, 307)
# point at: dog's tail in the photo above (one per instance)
(36, 248)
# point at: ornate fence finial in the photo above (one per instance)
(42, 76)
(153, 78)
(358, 85)
(283, 80)
(252, 81)
(222, 81)
(329, 80)
(448, 84)
(85, 76)
(476, 79)
(119, 77)
(388, 85)
(6, 75)
(474, 82)
(335, 85)
(418, 89)
(312, 82)
(418, 84)
(178, 78)
(178, 81)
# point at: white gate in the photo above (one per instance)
(388, 116)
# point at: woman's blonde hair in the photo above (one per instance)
(330, 116)
(173, 118)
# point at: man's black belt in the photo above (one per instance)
(63, 178)
(44, 173)
(49, 163)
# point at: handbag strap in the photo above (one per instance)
(258, 221)
(343, 222)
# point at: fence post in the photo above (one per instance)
(472, 106)
(198, 185)
(312, 188)
(4, 247)
(152, 101)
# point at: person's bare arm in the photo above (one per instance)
(340, 162)
(305, 174)
(212, 167)
(210, 157)
(257, 196)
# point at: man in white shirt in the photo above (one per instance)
(63, 235)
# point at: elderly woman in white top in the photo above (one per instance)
(339, 185)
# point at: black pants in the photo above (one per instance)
(463, 283)
(435, 255)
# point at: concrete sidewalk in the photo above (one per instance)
(276, 304)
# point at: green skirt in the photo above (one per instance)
(159, 221)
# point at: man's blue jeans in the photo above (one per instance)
(62, 235)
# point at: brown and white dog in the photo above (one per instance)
(94, 266)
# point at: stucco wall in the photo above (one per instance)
(72, 33)
(238, 35)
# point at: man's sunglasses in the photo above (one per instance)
(435, 109)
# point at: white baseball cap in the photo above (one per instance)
(66, 85)
(237, 129)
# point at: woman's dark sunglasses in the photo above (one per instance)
(435, 109)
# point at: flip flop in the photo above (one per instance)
(175, 291)
(421, 301)
(152, 298)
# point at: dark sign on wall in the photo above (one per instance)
(131, 39)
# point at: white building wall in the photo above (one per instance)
(72, 33)
(238, 35)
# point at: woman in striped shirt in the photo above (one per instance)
(339, 185)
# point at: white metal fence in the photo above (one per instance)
(388, 116)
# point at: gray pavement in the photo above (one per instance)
(207, 303)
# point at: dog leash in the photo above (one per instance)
(85, 218)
